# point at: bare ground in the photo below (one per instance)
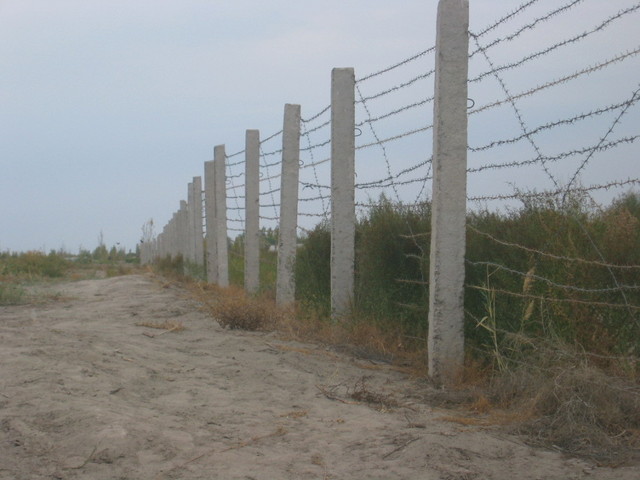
(85, 392)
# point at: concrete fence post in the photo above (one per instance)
(287, 240)
(220, 163)
(158, 250)
(446, 276)
(172, 236)
(198, 243)
(343, 216)
(191, 226)
(252, 212)
(182, 226)
(210, 220)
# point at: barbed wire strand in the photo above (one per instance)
(550, 282)
(530, 139)
(623, 110)
(551, 255)
(493, 70)
(508, 17)
(586, 71)
(529, 26)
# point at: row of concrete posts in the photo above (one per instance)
(184, 234)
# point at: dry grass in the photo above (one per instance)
(363, 393)
(236, 310)
(572, 405)
(555, 395)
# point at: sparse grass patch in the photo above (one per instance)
(11, 294)
(119, 270)
(33, 265)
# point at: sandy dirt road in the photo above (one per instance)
(85, 394)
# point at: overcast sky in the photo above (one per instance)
(109, 108)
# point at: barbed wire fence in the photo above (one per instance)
(553, 120)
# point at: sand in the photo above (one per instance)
(86, 392)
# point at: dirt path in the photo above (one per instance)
(85, 394)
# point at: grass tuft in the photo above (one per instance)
(236, 310)
(11, 294)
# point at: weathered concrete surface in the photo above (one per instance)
(446, 277)
(220, 181)
(210, 220)
(343, 214)
(198, 233)
(252, 212)
(285, 283)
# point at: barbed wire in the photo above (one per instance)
(623, 110)
(317, 115)
(555, 193)
(395, 137)
(555, 299)
(230, 178)
(396, 65)
(316, 163)
(507, 17)
(493, 70)
(380, 144)
(404, 173)
(318, 127)
(551, 255)
(422, 76)
(598, 147)
(566, 121)
(529, 26)
(558, 81)
(419, 103)
(325, 205)
(550, 282)
(268, 180)
(516, 111)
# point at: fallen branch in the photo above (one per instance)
(151, 335)
(279, 432)
(331, 396)
(404, 445)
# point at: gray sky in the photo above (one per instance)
(109, 108)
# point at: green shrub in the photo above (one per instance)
(569, 292)
(392, 263)
(34, 264)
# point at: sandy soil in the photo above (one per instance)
(85, 392)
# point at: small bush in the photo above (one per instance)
(236, 310)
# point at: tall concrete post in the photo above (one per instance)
(210, 220)
(182, 229)
(198, 235)
(343, 214)
(172, 236)
(446, 276)
(162, 244)
(191, 226)
(220, 161)
(287, 240)
(252, 212)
